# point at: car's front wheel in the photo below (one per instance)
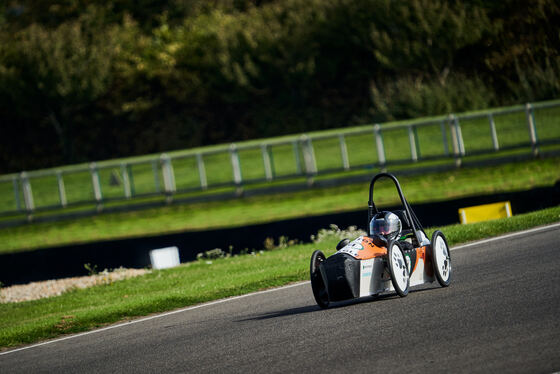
(441, 258)
(398, 268)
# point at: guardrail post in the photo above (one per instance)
(61, 189)
(168, 177)
(295, 147)
(236, 167)
(309, 158)
(27, 193)
(379, 144)
(495, 143)
(131, 180)
(343, 152)
(417, 142)
(455, 136)
(97, 193)
(268, 170)
(201, 171)
(444, 135)
(532, 130)
(155, 173)
(16, 193)
(126, 181)
(459, 135)
(412, 142)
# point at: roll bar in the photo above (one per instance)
(372, 209)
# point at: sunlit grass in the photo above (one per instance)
(197, 282)
(246, 211)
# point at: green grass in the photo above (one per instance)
(240, 212)
(146, 177)
(197, 282)
(80, 310)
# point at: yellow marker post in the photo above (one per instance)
(485, 212)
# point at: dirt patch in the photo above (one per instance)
(39, 290)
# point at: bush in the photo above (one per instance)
(93, 81)
(410, 97)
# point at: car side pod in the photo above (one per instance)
(317, 282)
(441, 258)
(398, 269)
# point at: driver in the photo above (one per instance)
(385, 224)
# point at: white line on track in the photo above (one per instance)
(155, 316)
(484, 241)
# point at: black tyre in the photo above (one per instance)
(398, 268)
(317, 284)
(341, 244)
(441, 258)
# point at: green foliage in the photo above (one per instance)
(411, 97)
(212, 254)
(95, 80)
(335, 234)
(524, 49)
(424, 36)
(54, 77)
(92, 269)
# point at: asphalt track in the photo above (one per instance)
(500, 314)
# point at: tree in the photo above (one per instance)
(53, 75)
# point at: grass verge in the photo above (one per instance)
(197, 282)
(240, 212)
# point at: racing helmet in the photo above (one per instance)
(386, 224)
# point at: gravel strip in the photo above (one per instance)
(39, 290)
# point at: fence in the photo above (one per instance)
(531, 126)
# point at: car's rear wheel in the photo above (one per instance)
(398, 268)
(441, 258)
(341, 244)
(317, 284)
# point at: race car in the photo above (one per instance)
(394, 256)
